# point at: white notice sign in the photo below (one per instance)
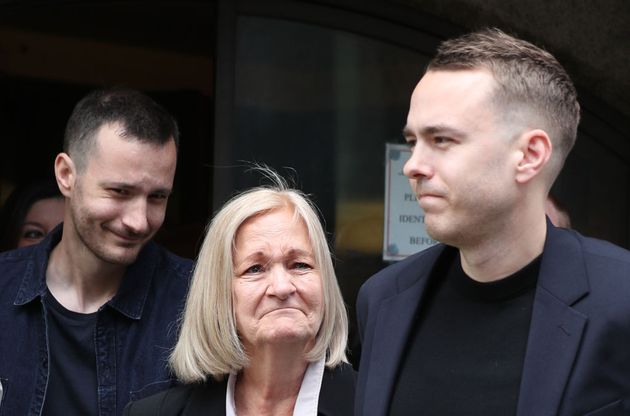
(405, 232)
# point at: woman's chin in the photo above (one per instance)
(287, 335)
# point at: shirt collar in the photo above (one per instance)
(133, 290)
(34, 280)
(308, 397)
(135, 285)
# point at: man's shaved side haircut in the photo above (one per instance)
(530, 81)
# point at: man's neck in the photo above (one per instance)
(507, 252)
(80, 281)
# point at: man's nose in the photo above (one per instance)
(419, 163)
(135, 218)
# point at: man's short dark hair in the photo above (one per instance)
(529, 81)
(137, 116)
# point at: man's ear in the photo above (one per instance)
(65, 173)
(535, 150)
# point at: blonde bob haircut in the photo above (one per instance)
(209, 344)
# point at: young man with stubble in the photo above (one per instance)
(88, 316)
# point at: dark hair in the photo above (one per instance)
(16, 208)
(529, 80)
(139, 117)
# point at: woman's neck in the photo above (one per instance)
(271, 383)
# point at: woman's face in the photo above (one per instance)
(277, 287)
(40, 219)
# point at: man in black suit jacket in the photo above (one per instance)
(509, 315)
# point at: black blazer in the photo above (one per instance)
(336, 397)
(577, 360)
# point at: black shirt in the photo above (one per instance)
(466, 350)
(72, 383)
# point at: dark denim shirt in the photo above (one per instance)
(134, 333)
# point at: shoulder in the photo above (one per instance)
(600, 257)
(13, 262)
(608, 268)
(33, 258)
(168, 402)
(567, 242)
(16, 258)
(401, 275)
(20, 271)
(336, 396)
(575, 265)
(170, 273)
(604, 249)
(173, 263)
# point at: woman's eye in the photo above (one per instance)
(302, 266)
(257, 268)
(33, 234)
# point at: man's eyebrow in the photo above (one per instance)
(441, 129)
(116, 184)
(434, 130)
(406, 132)
(133, 187)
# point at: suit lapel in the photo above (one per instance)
(554, 339)
(393, 324)
(556, 328)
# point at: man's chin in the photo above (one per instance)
(121, 259)
(438, 233)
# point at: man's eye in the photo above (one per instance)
(159, 197)
(441, 139)
(411, 144)
(119, 191)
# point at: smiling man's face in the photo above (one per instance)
(118, 202)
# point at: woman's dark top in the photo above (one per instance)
(336, 397)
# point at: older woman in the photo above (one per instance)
(265, 328)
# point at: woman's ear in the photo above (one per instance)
(535, 150)
(65, 173)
